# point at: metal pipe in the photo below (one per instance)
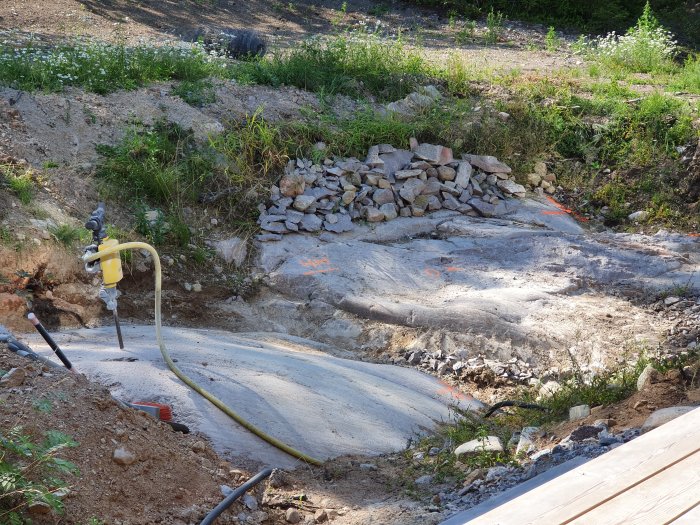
(119, 329)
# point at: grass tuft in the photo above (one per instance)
(357, 64)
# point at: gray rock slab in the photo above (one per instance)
(285, 386)
(487, 163)
(394, 161)
(664, 415)
(528, 277)
(310, 223)
(232, 250)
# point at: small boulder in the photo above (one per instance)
(648, 375)
(579, 412)
(123, 456)
(389, 211)
(534, 179)
(302, 202)
(479, 445)
(292, 515)
(232, 250)
(372, 214)
(292, 185)
(638, 216)
(511, 187)
(446, 173)
(14, 378)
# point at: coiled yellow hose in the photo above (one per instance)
(189, 382)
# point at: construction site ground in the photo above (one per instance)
(311, 342)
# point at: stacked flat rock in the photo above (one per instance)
(389, 183)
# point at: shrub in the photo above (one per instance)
(646, 47)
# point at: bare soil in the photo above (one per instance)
(176, 478)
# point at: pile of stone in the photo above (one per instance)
(541, 180)
(514, 371)
(389, 183)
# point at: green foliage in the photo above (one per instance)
(591, 16)
(5, 235)
(196, 92)
(494, 26)
(378, 9)
(68, 235)
(466, 32)
(101, 67)
(551, 40)
(161, 165)
(688, 78)
(27, 471)
(19, 183)
(356, 64)
(646, 47)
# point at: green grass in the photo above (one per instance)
(161, 165)
(19, 183)
(688, 78)
(68, 235)
(196, 92)
(355, 64)
(102, 68)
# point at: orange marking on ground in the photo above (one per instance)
(315, 263)
(447, 389)
(554, 213)
(563, 208)
(325, 270)
(454, 269)
(431, 272)
(694, 235)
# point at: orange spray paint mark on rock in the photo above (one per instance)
(563, 209)
(321, 265)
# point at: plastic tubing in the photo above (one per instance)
(185, 379)
(228, 500)
(49, 340)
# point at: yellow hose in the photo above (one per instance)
(189, 382)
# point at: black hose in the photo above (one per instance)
(226, 503)
(519, 404)
(49, 340)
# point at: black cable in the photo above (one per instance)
(519, 404)
(237, 493)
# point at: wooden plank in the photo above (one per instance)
(603, 478)
(659, 499)
(692, 517)
(504, 497)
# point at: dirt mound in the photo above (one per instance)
(174, 479)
